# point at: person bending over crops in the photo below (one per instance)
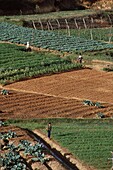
(80, 58)
(28, 48)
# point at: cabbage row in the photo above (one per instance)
(16, 64)
(12, 159)
(99, 34)
(48, 39)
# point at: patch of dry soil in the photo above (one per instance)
(59, 95)
(82, 84)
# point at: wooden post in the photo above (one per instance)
(58, 25)
(50, 25)
(76, 23)
(34, 25)
(67, 26)
(84, 23)
(41, 24)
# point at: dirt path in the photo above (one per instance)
(99, 65)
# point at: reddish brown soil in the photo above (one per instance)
(60, 95)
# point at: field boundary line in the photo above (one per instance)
(50, 95)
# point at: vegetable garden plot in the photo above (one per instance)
(16, 64)
(98, 34)
(24, 152)
(50, 40)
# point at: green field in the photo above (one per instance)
(89, 140)
(55, 15)
(99, 34)
(50, 40)
(16, 64)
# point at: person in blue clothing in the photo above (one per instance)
(49, 128)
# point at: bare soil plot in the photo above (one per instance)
(60, 95)
(82, 84)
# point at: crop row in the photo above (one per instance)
(16, 64)
(98, 34)
(13, 159)
(55, 107)
(90, 141)
(49, 39)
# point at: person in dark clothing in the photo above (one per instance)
(49, 128)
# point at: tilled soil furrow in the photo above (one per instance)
(60, 95)
(49, 108)
(72, 113)
(30, 99)
(56, 109)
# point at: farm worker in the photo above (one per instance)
(49, 128)
(80, 58)
(28, 47)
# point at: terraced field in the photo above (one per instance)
(24, 135)
(60, 95)
(49, 40)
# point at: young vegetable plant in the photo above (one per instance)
(4, 92)
(12, 161)
(90, 103)
(37, 151)
(9, 135)
(2, 123)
